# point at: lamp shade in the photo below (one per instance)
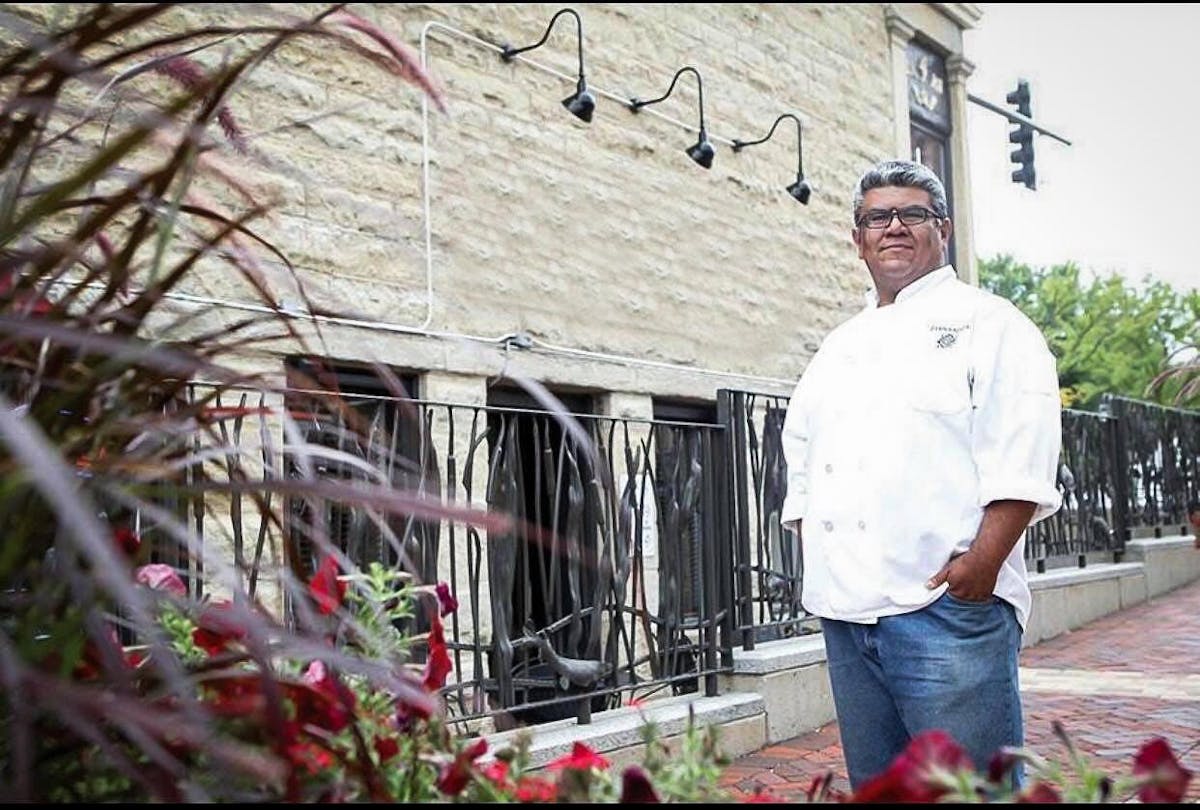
(581, 103)
(801, 190)
(702, 151)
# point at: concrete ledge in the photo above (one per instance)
(618, 732)
(773, 656)
(1066, 598)
(1170, 561)
(1143, 544)
(1061, 577)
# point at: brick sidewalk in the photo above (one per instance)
(1112, 684)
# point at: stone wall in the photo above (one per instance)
(603, 237)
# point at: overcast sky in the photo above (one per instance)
(1120, 82)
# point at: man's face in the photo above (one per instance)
(899, 254)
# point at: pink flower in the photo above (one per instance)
(325, 588)
(161, 577)
(1163, 779)
(917, 774)
(581, 758)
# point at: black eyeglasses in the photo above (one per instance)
(877, 218)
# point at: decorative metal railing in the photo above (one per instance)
(1092, 518)
(636, 552)
(605, 584)
(767, 567)
(1161, 455)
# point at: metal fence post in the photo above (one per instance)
(731, 412)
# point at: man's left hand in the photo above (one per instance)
(971, 578)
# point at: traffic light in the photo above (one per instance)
(1022, 136)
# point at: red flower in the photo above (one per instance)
(386, 748)
(916, 775)
(127, 540)
(1163, 778)
(331, 706)
(235, 695)
(581, 758)
(818, 788)
(1040, 793)
(310, 756)
(447, 604)
(533, 789)
(636, 787)
(437, 664)
(496, 771)
(216, 628)
(326, 589)
(763, 795)
(408, 713)
(161, 577)
(31, 302)
(90, 663)
(457, 774)
(1001, 765)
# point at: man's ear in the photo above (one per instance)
(856, 235)
(947, 229)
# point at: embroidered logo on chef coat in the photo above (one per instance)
(947, 336)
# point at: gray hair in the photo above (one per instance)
(903, 174)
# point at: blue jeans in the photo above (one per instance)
(951, 665)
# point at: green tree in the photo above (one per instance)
(1109, 336)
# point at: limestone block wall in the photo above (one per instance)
(603, 238)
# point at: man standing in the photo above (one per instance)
(921, 441)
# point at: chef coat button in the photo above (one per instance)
(862, 524)
(828, 468)
(828, 526)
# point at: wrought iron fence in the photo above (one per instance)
(607, 583)
(1090, 479)
(637, 551)
(1160, 449)
(767, 566)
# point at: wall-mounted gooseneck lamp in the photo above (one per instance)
(581, 103)
(702, 151)
(801, 190)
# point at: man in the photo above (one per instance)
(1194, 519)
(920, 442)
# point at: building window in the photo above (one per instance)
(348, 408)
(678, 453)
(929, 118)
(544, 573)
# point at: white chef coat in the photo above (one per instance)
(908, 421)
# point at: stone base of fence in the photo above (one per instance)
(617, 734)
(780, 689)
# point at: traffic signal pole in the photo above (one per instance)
(1022, 136)
(1015, 118)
